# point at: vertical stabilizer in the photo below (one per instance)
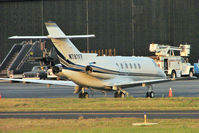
(65, 48)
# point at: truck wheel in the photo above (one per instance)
(173, 75)
(191, 73)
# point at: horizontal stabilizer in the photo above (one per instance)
(80, 36)
(28, 37)
(51, 37)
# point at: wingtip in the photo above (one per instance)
(12, 37)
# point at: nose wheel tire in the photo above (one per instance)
(150, 94)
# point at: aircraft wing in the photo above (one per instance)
(51, 82)
(125, 83)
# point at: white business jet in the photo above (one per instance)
(89, 71)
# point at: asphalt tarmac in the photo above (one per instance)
(182, 88)
(102, 114)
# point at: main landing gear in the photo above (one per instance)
(81, 91)
(83, 95)
(120, 93)
(150, 93)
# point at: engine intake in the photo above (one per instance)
(89, 69)
(56, 69)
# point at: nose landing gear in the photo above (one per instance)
(81, 91)
(150, 93)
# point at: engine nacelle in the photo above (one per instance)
(88, 69)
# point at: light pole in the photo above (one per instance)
(87, 29)
(133, 25)
(42, 17)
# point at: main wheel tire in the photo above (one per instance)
(116, 95)
(86, 95)
(147, 94)
(80, 95)
(152, 94)
(121, 95)
(173, 75)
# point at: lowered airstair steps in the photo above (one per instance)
(16, 60)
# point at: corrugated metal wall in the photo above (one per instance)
(121, 24)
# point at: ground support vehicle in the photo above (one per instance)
(173, 65)
(38, 72)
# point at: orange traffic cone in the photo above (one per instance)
(170, 92)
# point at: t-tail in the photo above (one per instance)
(65, 48)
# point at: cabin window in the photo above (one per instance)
(117, 64)
(139, 66)
(131, 66)
(135, 66)
(121, 65)
(126, 66)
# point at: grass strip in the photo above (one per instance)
(105, 125)
(71, 104)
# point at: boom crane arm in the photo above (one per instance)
(166, 50)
